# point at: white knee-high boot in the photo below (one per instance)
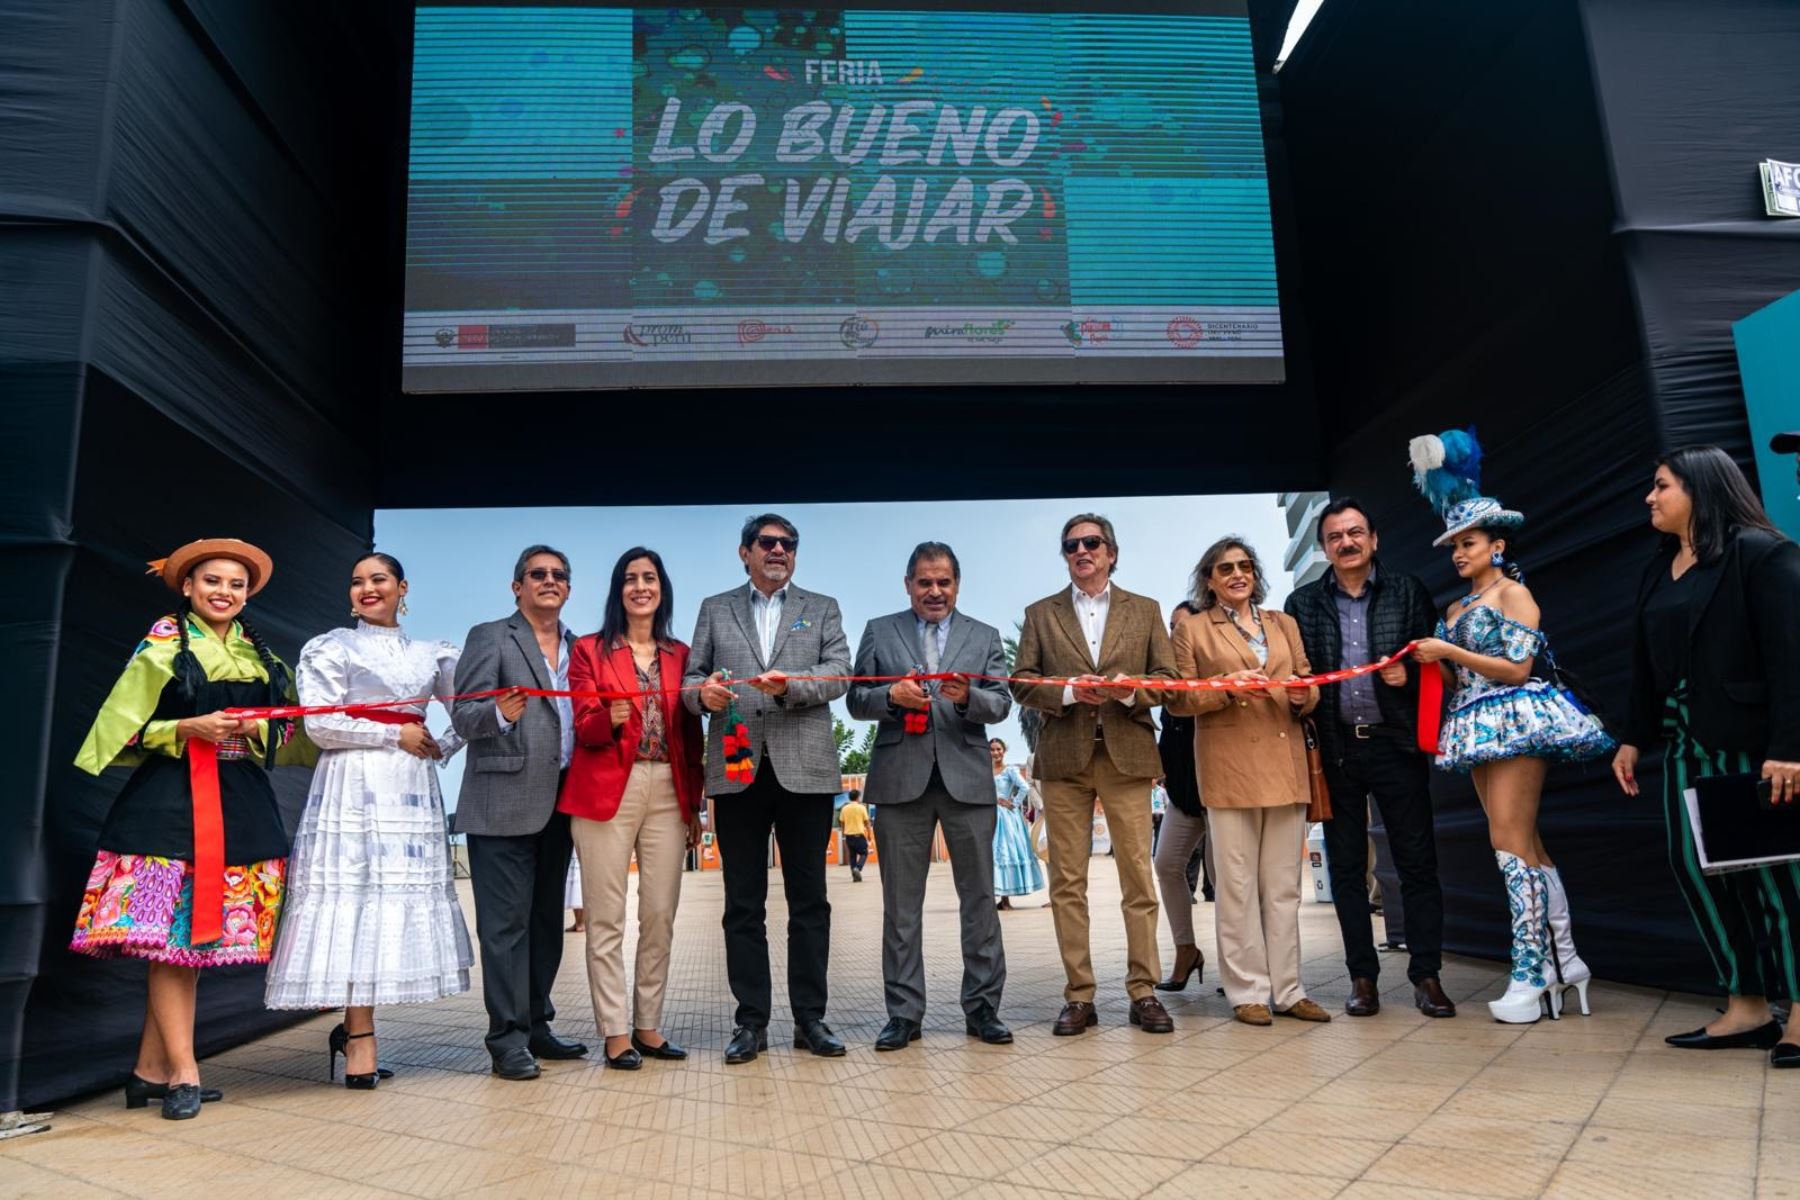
(1567, 970)
(1524, 999)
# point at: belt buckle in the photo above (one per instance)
(1362, 733)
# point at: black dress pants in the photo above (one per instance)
(518, 884)
(1392, 772)
(802, 826)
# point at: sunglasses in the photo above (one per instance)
(1227, 569)
(768, 542)
(539, 574)
(1089, 543)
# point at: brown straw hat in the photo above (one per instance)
(175, 568)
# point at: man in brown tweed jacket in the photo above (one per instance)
(1098, 744)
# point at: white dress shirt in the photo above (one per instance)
(1091, 613)
(766, 612)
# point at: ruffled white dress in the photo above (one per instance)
(371, 915)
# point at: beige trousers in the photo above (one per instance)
(1256, 857)
(1069, 813)
(649, 823)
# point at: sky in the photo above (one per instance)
(459, 561)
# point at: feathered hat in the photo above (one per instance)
(1447, 469)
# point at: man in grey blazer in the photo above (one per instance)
(936, 773)
(760, 634)
(518, 748)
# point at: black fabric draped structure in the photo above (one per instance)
(1540, 217)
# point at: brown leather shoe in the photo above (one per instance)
(1076, 1016)
(1428, 994)
(1364, 1000)
(1149, 1015)
(1253, 1014)
(1304, 1010)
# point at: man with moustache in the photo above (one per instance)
(1356, 613)
(518, 748)
(1098, 744)
(934, 773)
(761, 634)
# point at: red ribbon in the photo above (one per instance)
(207, 916)
(1152, 683)
(1431, 706)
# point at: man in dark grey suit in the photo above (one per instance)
(937, 772)
(518, 748)
(760, 634)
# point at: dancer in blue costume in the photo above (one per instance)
(1505, 725)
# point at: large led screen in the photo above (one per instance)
(625, 197)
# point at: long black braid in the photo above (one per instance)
(279, 683)
(189, 674)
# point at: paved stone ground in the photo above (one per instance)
(1393, 1106)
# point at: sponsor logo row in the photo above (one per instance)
(856, 333)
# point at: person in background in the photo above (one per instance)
(1182, 840)
(1098, 746)
(1716, 678)
(519, 845)
(372, 915)
(928, 774)
(632, 792)
(182, 894)
(1159, 804)
(853, 819)
(1357, 613)
(572, 896)
(783, 777)
(1504, 727)
(1017, 871)
(1252, 761)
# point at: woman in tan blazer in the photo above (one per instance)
(1251, 758)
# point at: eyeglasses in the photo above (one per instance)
(539, 574)
(1089, 543)
(1227, 569)
(768, 542)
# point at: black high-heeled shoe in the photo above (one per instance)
(339, 1043)
(140, 1091)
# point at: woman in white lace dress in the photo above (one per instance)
(372, 915)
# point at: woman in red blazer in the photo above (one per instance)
(633, 787)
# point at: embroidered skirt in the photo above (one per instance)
(1017, 871)
(1534, 720)
(142, 907)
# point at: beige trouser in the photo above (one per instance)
(1069, 813)
(1181, 835)
(1256, 854)
(649, 822)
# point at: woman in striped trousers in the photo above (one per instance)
(1716, 676)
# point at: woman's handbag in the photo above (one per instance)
(1318, 806)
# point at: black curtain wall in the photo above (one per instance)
(1540, 219)
(191, 195)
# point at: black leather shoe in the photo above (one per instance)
(182, 1103)
(1763, 1037)
(668, 1050)
(551, 1046)
(745, 1043)
(1785, 1054)
(816, 1036)
(1365, 999)
(897, 1034)
(140, 1091)
(516, 1063)
(626, 1060)
(986, 1024)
